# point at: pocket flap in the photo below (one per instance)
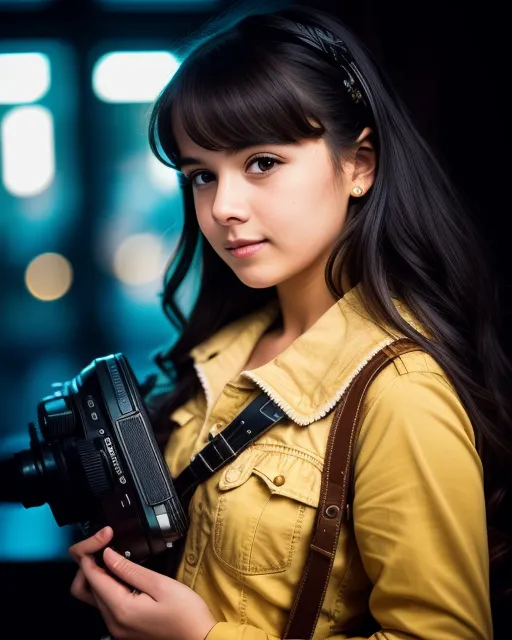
(238, 471)
(284, 473)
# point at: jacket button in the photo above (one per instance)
(192, 559)
(279, 481)
(233, 474)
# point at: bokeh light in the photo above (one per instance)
(132, 76)
(162, 177)
(139, 259)
(49, 276)
(24, 77)
(28, 150)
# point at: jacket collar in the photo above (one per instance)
(309, 377)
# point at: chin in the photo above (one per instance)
(258, 284)
(258, 280)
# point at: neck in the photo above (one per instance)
(303, 301)
(301, 308)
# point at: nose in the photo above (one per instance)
(229, 207)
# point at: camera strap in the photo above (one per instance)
(259, 416)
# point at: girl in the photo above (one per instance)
(327, 230)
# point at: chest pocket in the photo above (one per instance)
(266, 510)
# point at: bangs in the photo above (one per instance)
(229, 96)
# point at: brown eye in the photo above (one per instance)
(263, 163)
(194, 176)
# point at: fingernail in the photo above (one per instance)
(105, 532)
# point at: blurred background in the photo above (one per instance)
(88, 218)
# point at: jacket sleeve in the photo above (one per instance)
(419, 513)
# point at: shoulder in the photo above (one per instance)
(410, 368)
(413, 399)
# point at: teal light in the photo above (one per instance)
(39, 187)
(31, 534)
(28, 534)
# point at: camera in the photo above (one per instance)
(94, 459)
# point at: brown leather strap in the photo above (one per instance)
(336, 481)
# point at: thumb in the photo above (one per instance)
(133, 574)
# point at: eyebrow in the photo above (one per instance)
(182, 162)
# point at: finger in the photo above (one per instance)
(114, 627)
(143, 579)
(106, 587)
(81, 589)
(115, 601)
(92, 544)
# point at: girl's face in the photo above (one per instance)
(286, 197)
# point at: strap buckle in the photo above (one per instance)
(225, 455)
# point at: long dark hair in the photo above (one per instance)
(255, 81)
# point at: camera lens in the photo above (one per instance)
(48, 472)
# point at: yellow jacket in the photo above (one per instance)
(414, 554)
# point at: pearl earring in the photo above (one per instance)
(358, 191)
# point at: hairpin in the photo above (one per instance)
(337, 50)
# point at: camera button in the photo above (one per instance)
(192, 559)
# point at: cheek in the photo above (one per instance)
(307, 202)
(202, 226)
(314, 219)
(204, 218)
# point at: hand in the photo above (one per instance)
(164, 609)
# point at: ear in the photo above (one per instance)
(363, 161)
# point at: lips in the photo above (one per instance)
(247, 250)
(235, 244)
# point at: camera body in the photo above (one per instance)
(94, 459)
